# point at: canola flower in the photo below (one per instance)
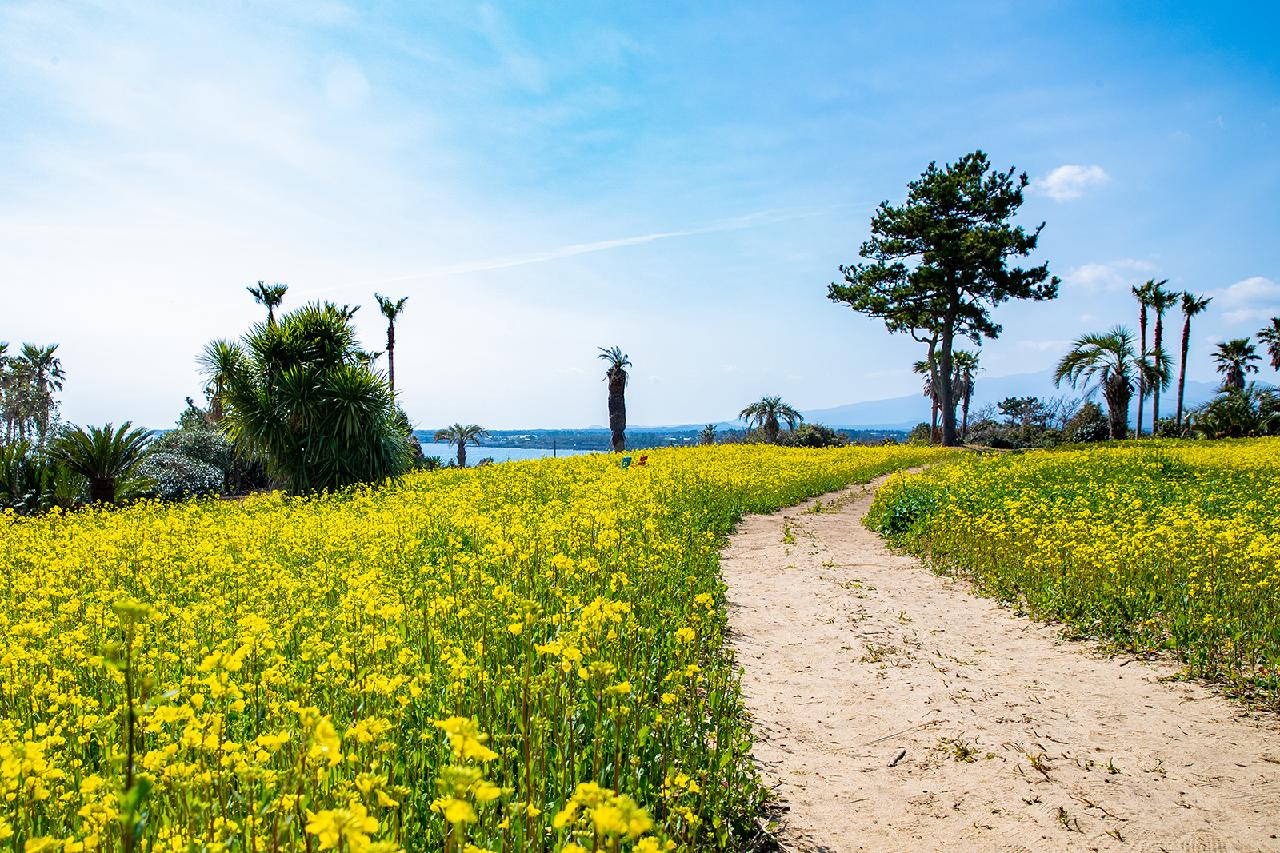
(1158, 545)
(522, 657)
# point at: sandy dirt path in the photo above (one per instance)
(895, 710)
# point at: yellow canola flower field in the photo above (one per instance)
(527, 656)
(1154, 545)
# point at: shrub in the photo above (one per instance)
(1088, 424)
(815, 435)
(174, 476)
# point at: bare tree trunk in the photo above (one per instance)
(618, 409)
(945, 367)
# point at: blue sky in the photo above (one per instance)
(541, 179)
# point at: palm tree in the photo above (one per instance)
(1191, 306)
(965, 365)
(270, 295)
(1143, 294)
(301, 400)
(767, 412)
(1235, 358)
(218, 361)
(1271, 337)
(1161, 301)
(925, 368)
(44, 375)
(391, 309)
(708, 435)
(616, 376)
(103, 455)
(1106, 361)
(460, 435)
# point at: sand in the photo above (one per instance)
(896, 710)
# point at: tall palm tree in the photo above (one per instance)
(766, 414)
(616, 375)
(965, 365)
(103, 455)
(270, 295)
(1143, 294)
(925, 367)
(391, 309)
(44, 374)
(1161, 301)
(1192, 305)
(1235, 358)
(218, 361)
(460, 435)
(1106, 361)
(1271, 337)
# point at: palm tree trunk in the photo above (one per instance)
(1182, 373)
(618, 410)
(964, 425)
(1117, 413)
(1142, 384)
(771, 429)
(102, 490)
(462, 454)
(391, 354)
(1158, 349)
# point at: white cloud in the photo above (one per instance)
(1112, 275)
(1071, 181)
(1254, 298)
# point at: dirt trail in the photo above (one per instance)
(898, 711)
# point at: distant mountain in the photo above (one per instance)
(906, 412)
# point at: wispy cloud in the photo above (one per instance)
(1111, 275)
(737, 223)
(1249, 300)
(1071, 181)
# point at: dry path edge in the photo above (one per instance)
(896, 710)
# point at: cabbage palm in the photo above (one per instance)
(1235, 358)
(1103, 360)
(1192, 306)
(766, 414)
(1271, 337)
(270, 295)
(41, 371)
(391, 309)
(299, 399)
(708, 435)
(105, 456)
(965, 364)
(460, 435)
(1161, 301)
(1142, 292)
(218, 361)
(616, 375)
(926, 368)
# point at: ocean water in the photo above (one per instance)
(499, 454)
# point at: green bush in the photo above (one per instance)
(172, 477)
